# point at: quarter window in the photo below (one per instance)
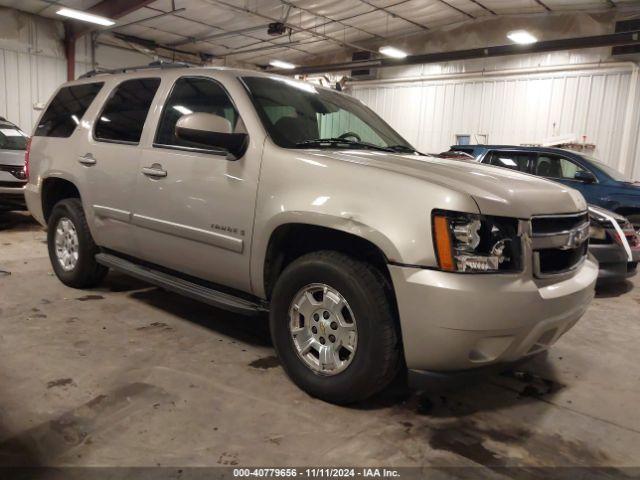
(124, 114)
(554, 166)
(66, 110)
(194, 95)
(513, 160)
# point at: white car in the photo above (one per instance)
(13, 172)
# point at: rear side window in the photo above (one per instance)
(123, 115)
(513, 160)
(194, 95)
(66, 110)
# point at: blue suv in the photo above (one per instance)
(599, 184)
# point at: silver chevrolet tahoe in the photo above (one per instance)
(255, 193)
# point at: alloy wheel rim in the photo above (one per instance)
(66, 244)
(323, 329)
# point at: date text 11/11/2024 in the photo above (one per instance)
(316, 472)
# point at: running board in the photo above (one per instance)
(184, 287)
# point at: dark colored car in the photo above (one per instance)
(13, 173)
(600, 184)
(614, 243)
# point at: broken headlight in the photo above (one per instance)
(472, 243)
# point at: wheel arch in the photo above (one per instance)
(292, 239)
(55, 189)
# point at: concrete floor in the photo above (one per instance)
(127, 374)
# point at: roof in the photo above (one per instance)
(156, 71)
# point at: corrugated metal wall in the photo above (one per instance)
(28, 79)
(512, 109)
(33, 65)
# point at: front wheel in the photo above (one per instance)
(334, 328)
(71, 247)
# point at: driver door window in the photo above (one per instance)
(554, 166)
(194, 95)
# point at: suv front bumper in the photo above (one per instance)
(455, 321)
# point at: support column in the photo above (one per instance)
(70, 52)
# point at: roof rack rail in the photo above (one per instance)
(152, 65)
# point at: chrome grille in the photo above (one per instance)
(559, 243)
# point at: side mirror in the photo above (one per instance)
(584, 176)
(211, 131)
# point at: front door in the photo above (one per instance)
(194, 206)
(560, 169)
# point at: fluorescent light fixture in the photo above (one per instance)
(392, 52)
(75, 119)
(85, 17)
(105, 119)
(521, 37)
(182, 110)
(281, 64)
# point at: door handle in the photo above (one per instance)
(87, 159)
(154, 170)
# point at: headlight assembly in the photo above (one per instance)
(472, 243)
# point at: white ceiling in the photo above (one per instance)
(317, 26)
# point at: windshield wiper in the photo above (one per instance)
(332, 142)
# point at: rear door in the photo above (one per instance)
(110, 159)
(193, 206)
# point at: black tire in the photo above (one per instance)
(377, 356)
(87, 272)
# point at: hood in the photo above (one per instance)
(497, 191)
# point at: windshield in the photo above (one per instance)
(612, 172)
(12, 138)
(299, 115)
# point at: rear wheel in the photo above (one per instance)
(71, 247)
(333, 327)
